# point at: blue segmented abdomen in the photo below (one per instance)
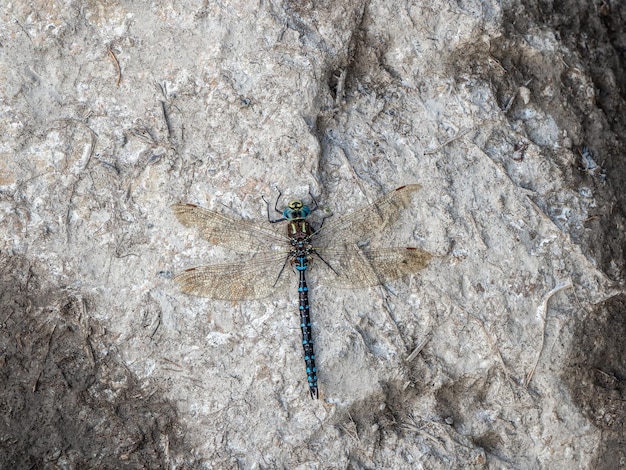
(305, 325)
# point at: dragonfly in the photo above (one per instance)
(337, 251)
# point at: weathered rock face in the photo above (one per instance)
(508, 350)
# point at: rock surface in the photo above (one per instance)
(506, 352)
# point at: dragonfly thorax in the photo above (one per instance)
(296, 210)
(299, 231)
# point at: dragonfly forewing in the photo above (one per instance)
(235, 234)
(366, 221)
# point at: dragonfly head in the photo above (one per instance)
(296, 210)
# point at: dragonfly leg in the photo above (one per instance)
(326, 262)
(323, 219)
(287, 260)
(273, 221)
(280, 193)
(313, 209)
(317, 206)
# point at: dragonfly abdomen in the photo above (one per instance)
(305, 325)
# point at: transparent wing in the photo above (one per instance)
(362, 223)
(365, 268)
(236, 234)
(252, 279)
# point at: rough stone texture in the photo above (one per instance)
(509, 114)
